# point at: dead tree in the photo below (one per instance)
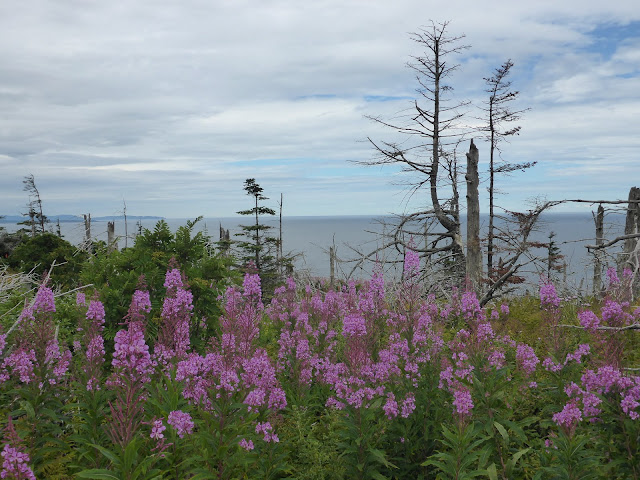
(87, 228)
(112, 243)
(429, 133)
(474, 253)
(630, 256)
(499, 118)
(597, 254)
(35, 204)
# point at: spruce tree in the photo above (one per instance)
(257, 246)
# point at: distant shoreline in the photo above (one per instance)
(14, 219)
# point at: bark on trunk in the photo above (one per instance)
(632, 226)
(112, 244)
(474, 254)
(332, 263)
(597, 262)
(87, 228)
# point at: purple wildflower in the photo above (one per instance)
(181, 422)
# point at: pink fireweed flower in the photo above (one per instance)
(548, 296)
(391, 406)
(551, 366)
(15, 464)
(91, 328)
(37, 355)
(612, 276)
(411, 261)
(20, 363)
(462, 402)
(267, 430)
(251, 286)
(470, 307)
(181, 422)
(408, 405)
(173, 337)
(588, 320)
(131, 358)
(140, 306)
(354, 325)
(246, 444)
(44, 301)
(15, 460)
(569, 417)
(582, 350)
(504, 309)
(526, 358)
(81, 299)
(157, 427)
(497, 359)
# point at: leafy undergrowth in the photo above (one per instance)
(368, 382)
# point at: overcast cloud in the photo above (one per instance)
(172, 105)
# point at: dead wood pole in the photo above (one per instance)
(597, 262)
(474, 253)
(126, 229)
(111, 237)
(629, 257)
(332, 266)
(280, 262)
(87, 228)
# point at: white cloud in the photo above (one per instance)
(173, 104)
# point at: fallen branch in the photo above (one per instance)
(633, 326)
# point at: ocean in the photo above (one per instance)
(309, 239)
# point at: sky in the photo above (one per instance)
(169, 106)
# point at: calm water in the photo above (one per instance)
(310, 238)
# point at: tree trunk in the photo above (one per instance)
(280, 262)
(631, 227)
(474, 254)
(112, 244)
(87, 228)
(332, 263)
(631, 249)
(597, 262)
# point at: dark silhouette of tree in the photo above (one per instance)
(258, 245)
(35, 204)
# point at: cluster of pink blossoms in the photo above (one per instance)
(173, 338)
(606, 380)
(37, 355)
(234, 365)
(15, 464)
(181, 422)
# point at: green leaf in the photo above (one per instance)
(98, 474)
(491, 472)
(514, 459)
(378, 476)
(502, 431)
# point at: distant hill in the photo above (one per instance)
(78, 218)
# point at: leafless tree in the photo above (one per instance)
(499, 118)
(430, 132)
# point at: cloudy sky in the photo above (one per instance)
(170, 105)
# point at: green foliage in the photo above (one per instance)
(8, 241)
(257, 246)
(311, 438)
(571, 457)
(461, 456)
(116, 276)
(360, 437)
(38, 253)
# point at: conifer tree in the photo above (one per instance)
(257, 246)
